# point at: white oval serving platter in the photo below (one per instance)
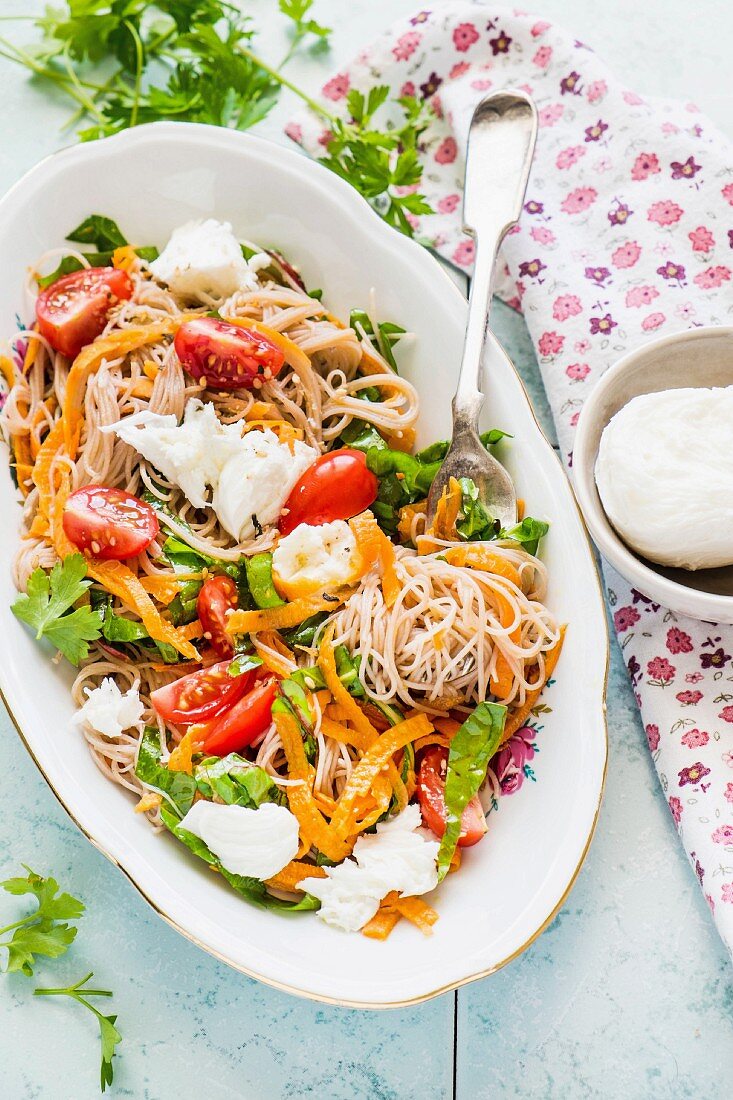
(150, 180)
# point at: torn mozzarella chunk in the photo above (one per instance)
(192, 454)
(315, 558)
(203, 259)
(108, 711)
(256, 843)
(396, 857)
(255, 483)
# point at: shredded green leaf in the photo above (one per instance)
(470, 751)
(259, 579)
(177, 788)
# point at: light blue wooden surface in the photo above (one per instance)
(629, 993)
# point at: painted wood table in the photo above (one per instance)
(629, 992)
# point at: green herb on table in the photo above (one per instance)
(126, 63)
(108, 1033)
(46, 607)
(45, 931)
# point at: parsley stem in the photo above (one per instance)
(283, 80)
(138, 70)
(73, 991)
(17, 924)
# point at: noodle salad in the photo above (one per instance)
(224, 530)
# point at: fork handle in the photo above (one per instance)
(468, 397)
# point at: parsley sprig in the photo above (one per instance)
(46, 606)
(109, 1035)
(44, 931)
(126, 62)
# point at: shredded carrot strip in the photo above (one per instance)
(118, 579)
(520, 509)
(314, 828)
(30, 353)
(502, 677)
(448, 726)
(374, 546)
(418, 912)
(407, 515)
(402, 442)
(375, 759)
(381, 924)
(363, 734)
(181, 758)
(192, 630)
(163, 589)
(446, 514)
(293, 873)
(149, 801)
(89, 360)
(151, 369)
(7, 369)
(281, 618)
(279, 663)
(480, 557)
(517, 719)
(125, 258)
(341, 733)
(50, 447)
(142, 388)
(433, 739)
(262, 410)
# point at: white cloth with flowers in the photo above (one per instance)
(626, 234)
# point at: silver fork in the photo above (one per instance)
(501, 142)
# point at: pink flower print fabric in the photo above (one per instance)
(626, 235)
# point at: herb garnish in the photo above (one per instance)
(126, 62)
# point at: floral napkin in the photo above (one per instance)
(626, 234)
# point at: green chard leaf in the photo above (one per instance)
(386, 335)
(474, 522)
(259, 580)
(470, 751)
(176, 787)
(44, 931)
(528, 533)
(236, 781)
(46, 607)
(100, 232)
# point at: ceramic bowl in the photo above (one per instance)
(700, 357)
(510, 886)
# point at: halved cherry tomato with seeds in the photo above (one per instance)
(228, 357)
(73, 311)
(239, 726)
(109, 523)
(337, 486)
(217, 596)
(431, 796)
(201, 695)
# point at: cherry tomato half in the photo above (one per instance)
(109, 523)
(201, 695)
(73, 311)
(337, 486)
(241, 724)
(431, 796)
(217, 596)
(229, 357)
